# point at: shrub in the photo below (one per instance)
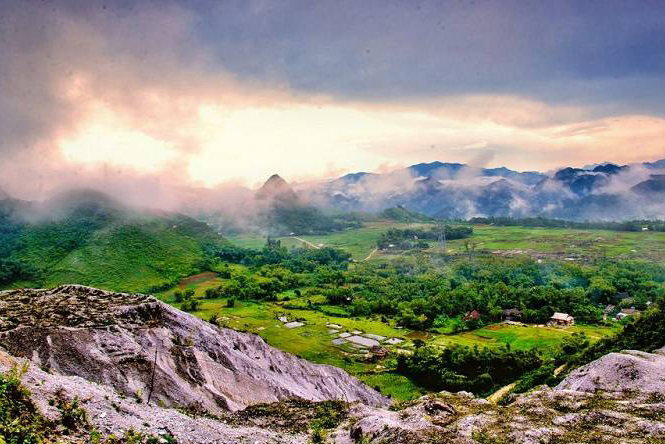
(20, 421)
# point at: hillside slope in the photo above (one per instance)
(89, 239)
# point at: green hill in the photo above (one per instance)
(401, 214)
(86, 238)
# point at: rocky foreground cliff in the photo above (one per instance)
(144, 348)
(112, 352)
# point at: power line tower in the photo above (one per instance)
(442, 239)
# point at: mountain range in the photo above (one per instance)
(452, 190)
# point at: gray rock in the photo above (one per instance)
(195, 363)
(620, 372)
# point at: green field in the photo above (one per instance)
(567, 242)
(359, 242)
(313, 341)
(560, 243)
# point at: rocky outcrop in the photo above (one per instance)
(620, 372)
(144, 348)
(619, 398)
(112, 413)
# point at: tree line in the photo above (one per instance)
(409, 238)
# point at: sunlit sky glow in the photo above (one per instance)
(222, 91)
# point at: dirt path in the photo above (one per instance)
(370, 255)
(559, 369)
(496, 396)
(306, 242)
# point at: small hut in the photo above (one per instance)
(512, 314)
(562, 319)
(473, 314)
(628, 313)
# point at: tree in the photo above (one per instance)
(211, 293)
(177, 296)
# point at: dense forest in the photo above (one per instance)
(419, 294)
(284, 219)
(474, 369)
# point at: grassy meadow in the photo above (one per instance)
(539, 242)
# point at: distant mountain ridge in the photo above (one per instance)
(454, 190)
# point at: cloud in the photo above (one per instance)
(163, 98)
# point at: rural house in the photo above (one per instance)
(512, 314)
(562, 319)
(628, 312)
(473, 314)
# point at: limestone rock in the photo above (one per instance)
(620, 372)
(116, 339)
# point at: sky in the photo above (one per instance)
(219, 93)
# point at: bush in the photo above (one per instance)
(20, 421)
(177, 296)
(72, 415)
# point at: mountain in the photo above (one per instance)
(107, 363)
(652, 187)
(282, 212)
(86, 237)
(277, 189)
(454, 190)
(657, 165)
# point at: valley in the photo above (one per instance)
(314, 340)
(355, 222)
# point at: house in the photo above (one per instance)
(562, 319)
(628, 312)
(607, 311)
(377, 353)
(473, 314)
(512, 314)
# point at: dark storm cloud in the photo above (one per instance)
(609, 53)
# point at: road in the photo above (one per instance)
(370, 255)
(306, 242)
(496, 396)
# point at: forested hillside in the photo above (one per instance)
(87, 238)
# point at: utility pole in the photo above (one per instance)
(442, 240)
